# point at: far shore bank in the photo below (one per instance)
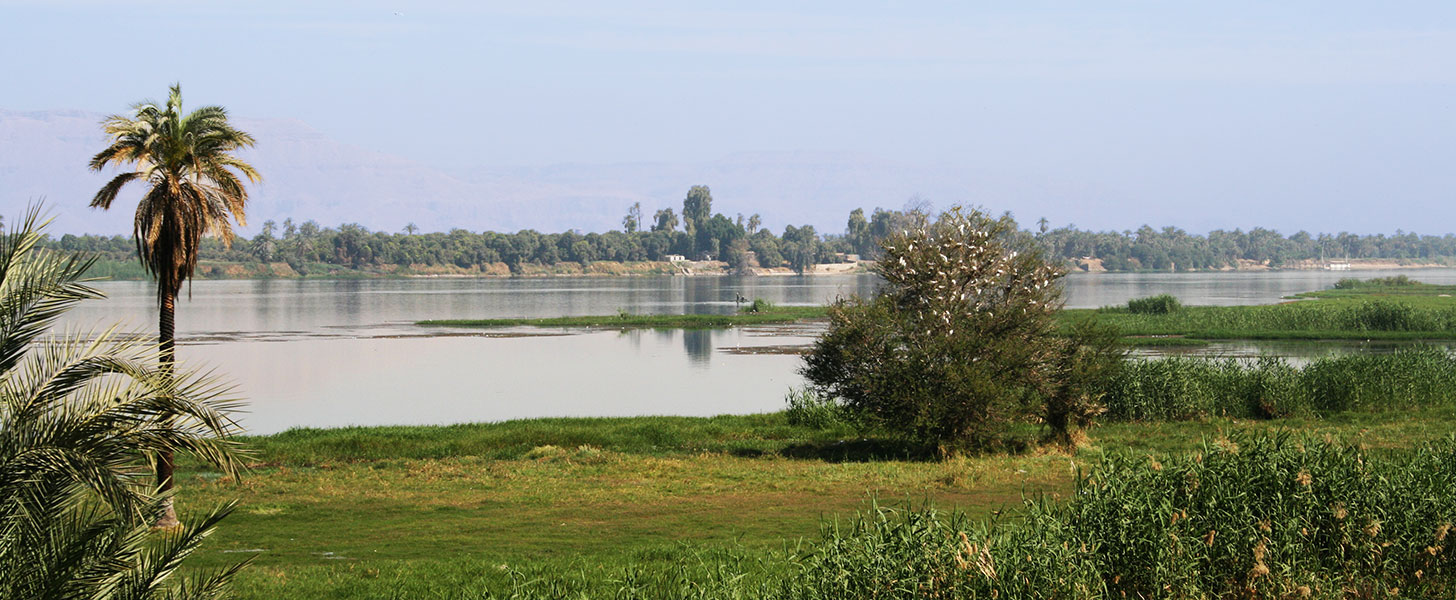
(131, 271)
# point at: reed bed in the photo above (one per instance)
(1268, 517)
(1269, 387)
(1277, 516)
(1365, 315)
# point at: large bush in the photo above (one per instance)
(1161, 304)
(959, 343)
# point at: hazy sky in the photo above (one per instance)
(1350, 103)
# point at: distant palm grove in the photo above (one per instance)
(696, 233)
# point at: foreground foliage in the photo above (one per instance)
(1263, 517)
(78, 419)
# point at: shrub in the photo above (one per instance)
(808, 409)
(1161, 304)
(1091, 356)
(960, 341)
(757, 306)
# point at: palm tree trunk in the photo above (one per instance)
(166, 338)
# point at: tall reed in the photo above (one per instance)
(1267, 387)
(1269, 517)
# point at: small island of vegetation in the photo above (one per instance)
(1382, 309)
(758, 312)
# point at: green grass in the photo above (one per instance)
(775, 314)
(437, 511)
(647, 436)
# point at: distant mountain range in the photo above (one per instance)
(309, 175)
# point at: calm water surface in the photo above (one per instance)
(334, 353)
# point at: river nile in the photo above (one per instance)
(327, 353)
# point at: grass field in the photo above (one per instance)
(459, 511)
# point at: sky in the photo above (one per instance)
(1221, 108)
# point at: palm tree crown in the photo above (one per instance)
(196, 184)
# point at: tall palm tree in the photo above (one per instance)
(77, 416)
(195, 187)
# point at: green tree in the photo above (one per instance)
(736, 255)
(715, 234)
(800, 247)
(858, 232)
(960, 342)
(78, 416)
(765, 247)
(664, 220)
(697, 207)
(633, 221)
(194, 188)
(264, 244)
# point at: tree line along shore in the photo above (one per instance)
(697, 241)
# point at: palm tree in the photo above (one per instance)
(77, 417)
(195, 186)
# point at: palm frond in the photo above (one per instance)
(36, 287)
(81, 416)
(108, 192)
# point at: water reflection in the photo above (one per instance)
(699, 345)
(329, 353)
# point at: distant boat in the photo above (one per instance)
(1335, 265)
